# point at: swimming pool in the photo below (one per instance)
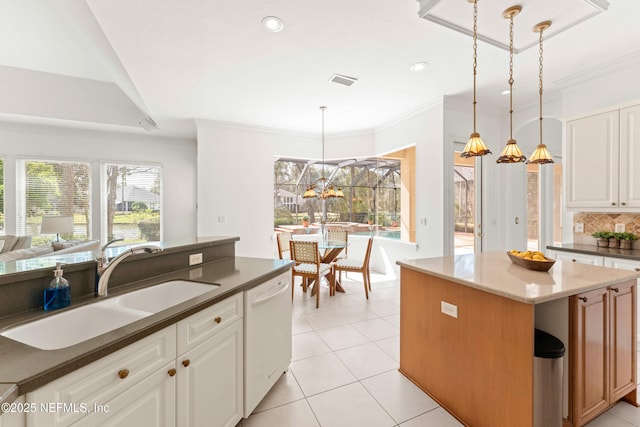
(389, 234)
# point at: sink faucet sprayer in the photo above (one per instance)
(106, 267)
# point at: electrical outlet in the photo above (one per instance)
(449, 309)
(579, 227)
(619, 228)
(195, 259)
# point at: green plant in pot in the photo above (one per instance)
(602, 238)
(371, 219)
(305, 221)
(626, 240)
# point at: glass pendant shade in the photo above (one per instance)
(541, 156)
(511, 153)
(475, 147)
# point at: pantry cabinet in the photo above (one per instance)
(601, 152)
(604, 356)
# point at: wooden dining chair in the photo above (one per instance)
(357, 266)
(309, 267)
(283, 239)
(339, 236)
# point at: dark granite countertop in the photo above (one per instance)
(29, 368)
(630, 254)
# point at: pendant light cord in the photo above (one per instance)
(511, 77)
(322, 109)
(475, 58)
(540, 60)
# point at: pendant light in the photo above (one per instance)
(511, 152)
(325, 187)
(475, 146)
(541, 155)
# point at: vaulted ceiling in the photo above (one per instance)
(177, 60)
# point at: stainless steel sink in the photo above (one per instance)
(83, 323)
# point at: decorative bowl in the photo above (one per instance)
(532, 264)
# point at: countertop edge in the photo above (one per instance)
(631, 275)
(14, 389)
(630, 254)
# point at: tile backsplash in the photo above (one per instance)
(603, 222)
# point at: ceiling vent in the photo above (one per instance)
(343, 80)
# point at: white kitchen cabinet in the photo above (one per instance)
(150, 402)
(576, 257)
(15, 418)
(209, 381)
(104, 382)
(210, 366)
(602, 153)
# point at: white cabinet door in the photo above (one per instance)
(621, 263)
(210, 381)
(579, 258)
(103, 380)
(14, 418)
(630, 157)
(149, 403)
(592, 161)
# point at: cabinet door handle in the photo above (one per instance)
(613, 203)
(218, 319)
(623, 204)
(573, 260)
(123, 373)
(171, 372)
(583, 299)
(615, 289)
(637, 269)
(186, 362)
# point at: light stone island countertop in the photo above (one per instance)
(493, 272)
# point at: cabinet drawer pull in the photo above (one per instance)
(123, 373)
(171, 372)
(613, 203)
(573, 260)
(615, 289)
(637, 269)
(218, 319)
(583, 299)
(186, 362)
(623, 204)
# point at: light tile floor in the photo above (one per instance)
(344, 369)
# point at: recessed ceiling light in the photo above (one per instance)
(419, 66)
(272, 24)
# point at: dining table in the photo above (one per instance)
(330, 251)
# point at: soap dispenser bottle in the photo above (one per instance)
(58, 293)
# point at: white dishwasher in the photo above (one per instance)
(267, 338)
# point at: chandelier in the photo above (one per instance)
(323, 188)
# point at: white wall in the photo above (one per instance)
(235, 176)
(177, 157)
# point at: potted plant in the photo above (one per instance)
(602, 238)
(626, 240)
(614, 240)
(371, 219)
(305, 221)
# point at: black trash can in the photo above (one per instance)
(547, 380)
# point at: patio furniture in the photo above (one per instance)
(309, 267)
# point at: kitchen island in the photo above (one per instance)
(467, 335)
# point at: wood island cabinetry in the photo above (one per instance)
(604, 356)
(467, 327)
